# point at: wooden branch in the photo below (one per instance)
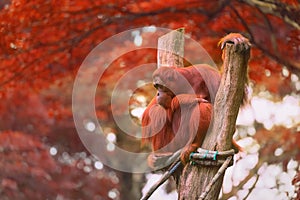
(230, 96)
(227, 103)
(170, 49)
(219, 173)
(164, 177)
(284, 11)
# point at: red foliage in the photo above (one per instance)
(279, 137)
(30, 172)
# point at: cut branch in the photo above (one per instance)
(170, 49)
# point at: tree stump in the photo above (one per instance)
(170, 49)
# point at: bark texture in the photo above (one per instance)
(194, 179)
(170, 49)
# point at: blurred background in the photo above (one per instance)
(44, 42)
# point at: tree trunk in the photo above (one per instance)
(170, 49)
(194, 179)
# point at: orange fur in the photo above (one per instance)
(180, 125)
(180, 115)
